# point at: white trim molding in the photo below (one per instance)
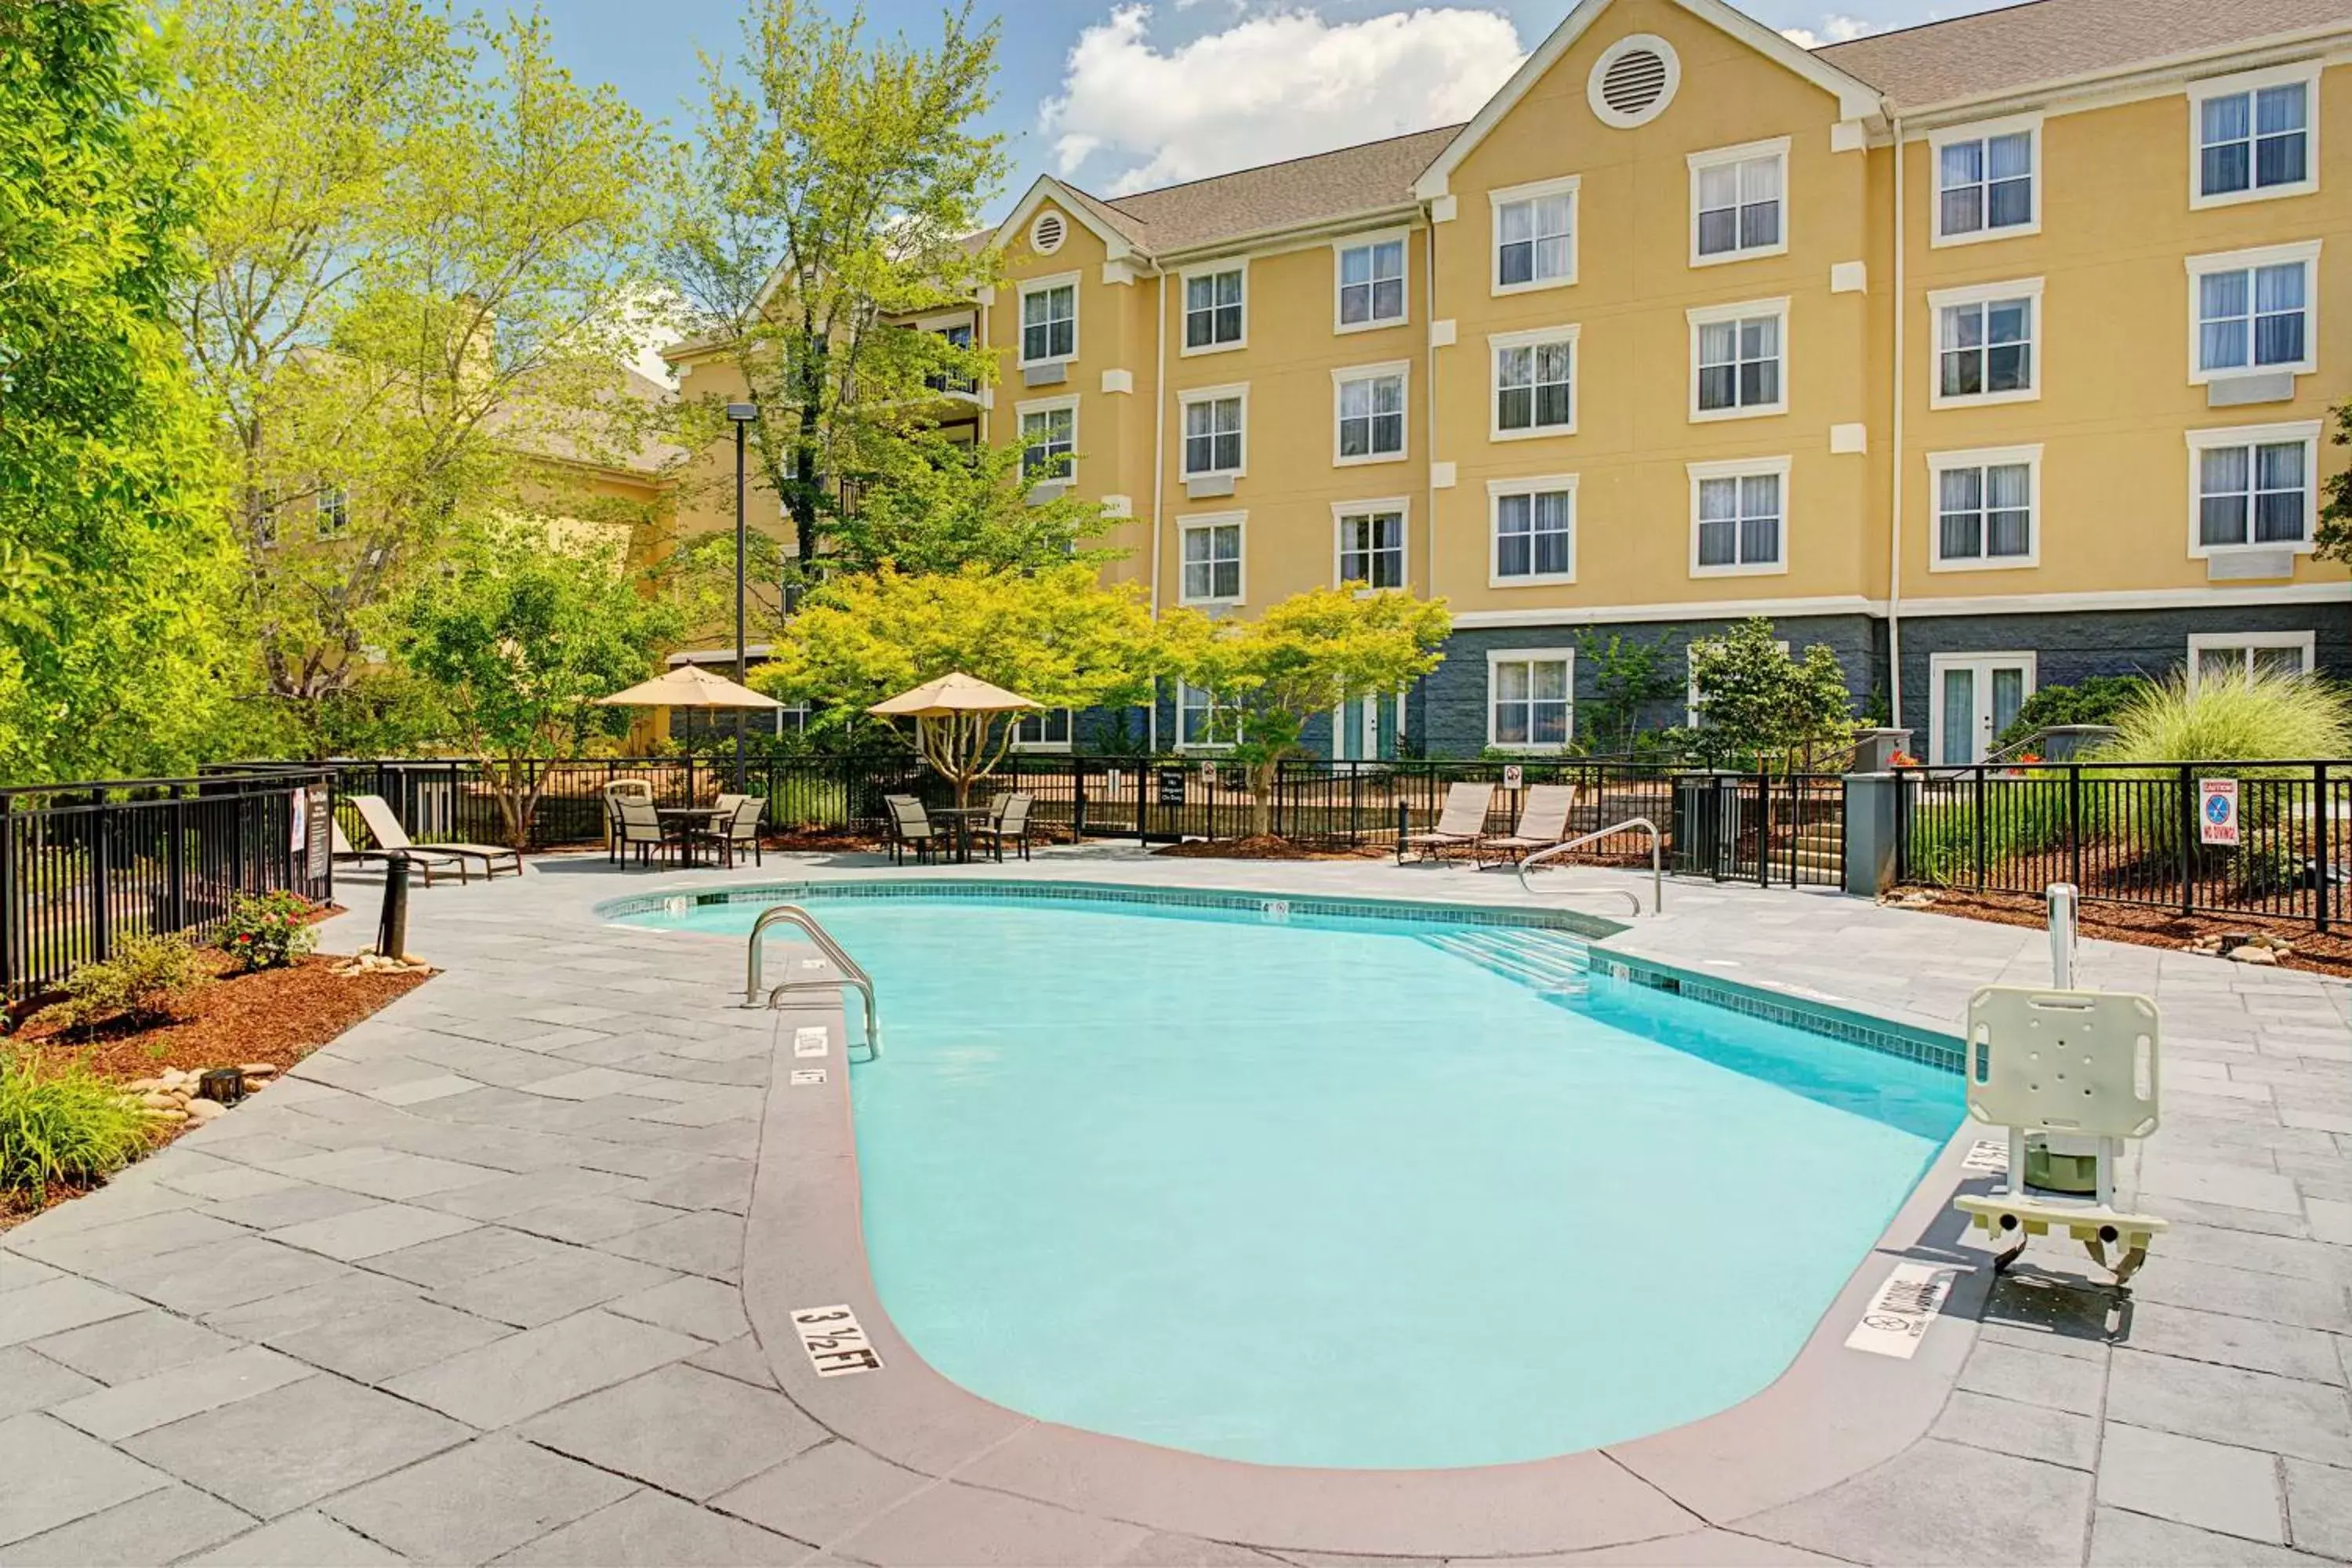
(1740, 469)
(1675, 611)
(1981, 130)
(1941, 463)
(1021, 411)
(1185, 279)
(2306, 72)
(1566, 656)
(1700, 316)
(1544, 484)
(1402, 238)
(1567, 185)
(1185, 399)
(1941, 300)
(1343, 510)
(1029, 285)
(2202, 642)
(1747, 151)
(1239, 522)
(2307, 432)
(2304, 252)
(1568, 333)
(1341, 376)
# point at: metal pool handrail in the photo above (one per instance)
(1657, 872)
(852, 972)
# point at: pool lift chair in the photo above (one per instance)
(2076, 1071)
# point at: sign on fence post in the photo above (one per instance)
(1514, 775)
(2217, 811)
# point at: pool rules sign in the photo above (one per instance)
(2217, 811)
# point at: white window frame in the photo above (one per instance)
(2307, 431)
(1401, 369)
(1939, 463)
(2308, 72)
(1539, 485)
(1183, 312)
(1021, 315)
(1499, 656)
(1070, 730)
(1701, 316)
(2202, 642)
(1184, 402)
(1739, 469)
(1715, 158)
(1021, 411)
(1568, 185)
(331, 501)
(1339, 248)
(1533, 337)
(1239, 522)
(1345, 511)
(2305, 252)
(1981, 294)
(1981, 131)
(1209, 708)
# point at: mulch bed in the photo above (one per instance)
(1267, 847)
(2328, 953)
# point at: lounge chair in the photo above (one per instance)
(1462, 825)
(738, 830)
(639, 827)
(424, 861)
(1008, 823)
(385, 828)
(910, 828)
(1543, 822)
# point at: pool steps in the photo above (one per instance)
(1544, 961)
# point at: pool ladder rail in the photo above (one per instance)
(847, 970)
(1657, 869)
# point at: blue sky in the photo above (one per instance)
(1126, 97)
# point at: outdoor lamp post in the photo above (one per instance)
(741, 413)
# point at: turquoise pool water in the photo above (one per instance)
(1325, 1193)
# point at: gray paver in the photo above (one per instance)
(530, 1190)
(53, 1306)
(2248, 1342)
(2319, 1508)
(1940, 1502)
(290, 1203)
(206, 1279)
(2031, 1377)
(291, 1311)
(741, 1359)
(55, 1476)
(648, 1527)
(300, 1540)
(709, 1243)
(590, 1218)
(690, 1304)
(533, 1294)
(472, 1503)
(120, 1350)
(822, 1494)
(91, 1250)
(363, 1233)
(2123, 1539)
(2031, 1431)
(686, 1431)
(295, 1445)
(376, 1343)
(196, 1385)
(2286, 1415)
(16, 1271)
(386, 1173)
(2191, 1481)
(164, 1523)
(512, 1379)
(31, 1382)
(453, 1260)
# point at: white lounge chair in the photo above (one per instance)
(1460, 825)
(1543, 822)
(385, 829)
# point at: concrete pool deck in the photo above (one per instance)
(481, 1281)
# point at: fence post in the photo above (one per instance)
(2323, 867)
(176, 861)
(2074, 824)
(2188, 824)
(1763, 822)
(1078, 799)
(11, 918)
(101, 922)
(1141, 770)
(1983, 828)
(1355, 807)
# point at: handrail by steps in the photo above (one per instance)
(851, 973)
(1657, 870)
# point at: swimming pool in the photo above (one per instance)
(1338, 1191)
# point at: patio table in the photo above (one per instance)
(962, 817)
(678, 821)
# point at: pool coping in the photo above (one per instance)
(1830, 1414)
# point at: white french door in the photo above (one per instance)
(1972, 698)
(1367, 730)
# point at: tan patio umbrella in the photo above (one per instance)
(688, 686)
(953, 718)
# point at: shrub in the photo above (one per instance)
(63, 1124)
(267, 930)
(2094, 701)
(2263, 717)
(143, 982)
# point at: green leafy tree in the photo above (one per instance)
(1762, 705)
(944, 505)
(417, 284)
(526, 629)
(1058, 637)
(1628, 678)
(1306, 655)
(2096, 700)
(828, 191)
(112, 558)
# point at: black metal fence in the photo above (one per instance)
(2138, 834)
(82, 864)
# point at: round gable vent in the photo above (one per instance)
(1633, 80)
(1045, 235)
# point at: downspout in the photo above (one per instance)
(1895, 459)
(1159, 471)
(1429, 458)
(989, 405)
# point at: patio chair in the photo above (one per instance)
(1008, 823)
(616, 791)
(740, 829)
(910, 828)
(1543, 822)
(385, 829)
(640, 828)
(1462, 825)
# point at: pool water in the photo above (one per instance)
(1325, 1193)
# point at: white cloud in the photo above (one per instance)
(1834, 29)
(1270, 87)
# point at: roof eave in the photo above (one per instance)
(1252, 240)
(1977, 105)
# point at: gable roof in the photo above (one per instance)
(1117, 232)
(2044, 42)
(1294, 193)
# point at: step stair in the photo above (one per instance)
(1549, 962)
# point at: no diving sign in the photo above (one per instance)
(1898, 1316)
(2217, 811)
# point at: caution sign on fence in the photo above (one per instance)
(2217, 811)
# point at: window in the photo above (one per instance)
(1985, 342)
(2256, 486)
(1530, 704)
(957, 336)
(1736, 359)
(1985, 506)
(1987, 180)
(1738, 512)
(1535, 236)
(2240, 655)
(1735, 202)
(1372, 284)
(2250, 312)
(334, 512)
(1202, 719)
(1370, 403)
(1372, 543)
(1213, 560)
(1049, 433)
(1212, 310)
(1213, 431)
(1534, 529)
(1045, 732)
(1535, 383)
(1049, 322)
(2253, 135)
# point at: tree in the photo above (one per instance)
(527, 628)
(1306, 655)
(947, 505)
(421, 278)
(1628, 678)
(1756, 702)
(1057, 637)
(113, 557)
(828, 192)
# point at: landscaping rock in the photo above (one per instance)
(258, 1069)
(2251, 954)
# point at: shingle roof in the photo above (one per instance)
(2019, 47)
(1302, 190)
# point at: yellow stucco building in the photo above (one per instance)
(1994, 354)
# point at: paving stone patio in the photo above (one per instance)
(466, 1286)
